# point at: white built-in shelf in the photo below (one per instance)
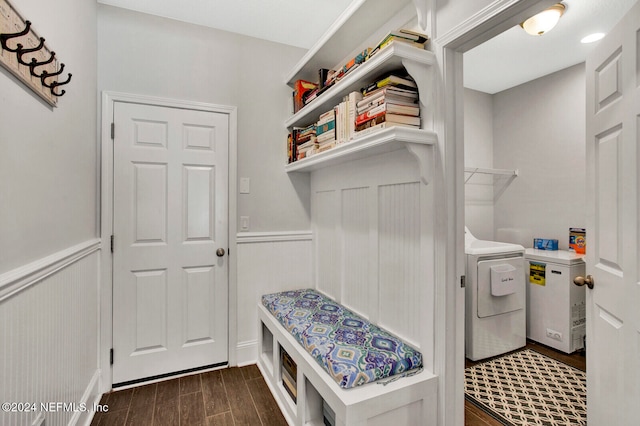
(361, 18)
(393, 57)
(419, 142)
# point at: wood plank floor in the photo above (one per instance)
(473, 416)
(232, 396)
(235, 396)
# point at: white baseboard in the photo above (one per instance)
(90, 399)
(247, 353)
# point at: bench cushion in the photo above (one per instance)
(351, 349)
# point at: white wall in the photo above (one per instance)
(478, 152)
(271, 262)
(539, 129)
(48, 224)
(48, 155)
(450, 13)
(148, 55)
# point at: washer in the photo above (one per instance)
(496, 320)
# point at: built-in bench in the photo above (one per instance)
(337, 355)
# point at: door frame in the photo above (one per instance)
(105, 291)
(495, 18)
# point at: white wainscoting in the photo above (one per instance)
(373, 225)
(268, 262)
(49, 336)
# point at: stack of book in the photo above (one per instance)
(326, 131)
(401, 36)
(391, 101)
(301, 142)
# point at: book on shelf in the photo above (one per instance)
(351, 100)
(391, 80)
(340, 122)
(387, 108)
(380, 126)
(390, 92)
(410, 37)
(380, 101)
(326, 116)
(327, 136)
(308, 144)
(289, 385)
(300, 88)
(417, 36)
(323, 73)
(388, 117)
(310, 96)
(358, 59)
(290, 149)
(325, 127)
(325, 147)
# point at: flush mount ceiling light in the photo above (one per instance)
(544, 21)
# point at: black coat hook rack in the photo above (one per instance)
(30, 51)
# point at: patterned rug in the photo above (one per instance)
(528, 388)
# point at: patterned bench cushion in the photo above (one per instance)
(352, 350)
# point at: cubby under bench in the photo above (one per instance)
(314, 397)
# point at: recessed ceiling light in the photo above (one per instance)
(592, 37)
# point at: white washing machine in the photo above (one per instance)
(496, 320)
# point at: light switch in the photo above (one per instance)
(245, 183)
(244, 223)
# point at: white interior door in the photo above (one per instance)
(170, 308)
(613, 305)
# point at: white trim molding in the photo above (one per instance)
(247, 352)
(449, 47)
(16, 280)
(499, 15)
(267, 237)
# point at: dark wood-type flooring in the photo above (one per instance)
(235, 396)
(232, 396)
(473, 416)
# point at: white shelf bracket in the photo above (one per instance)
(422, 76)
(422, 7)
(425, 158)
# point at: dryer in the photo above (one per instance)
(495, 319)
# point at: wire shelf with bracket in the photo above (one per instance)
(502, 178)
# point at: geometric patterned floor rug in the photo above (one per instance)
(528, 388)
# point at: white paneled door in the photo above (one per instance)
(613, 255)
(170, 226)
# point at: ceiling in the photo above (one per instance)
(515, 57)
(507, 60)
(282, 21)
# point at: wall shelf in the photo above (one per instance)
(391, 58)
(499, 172)
(501, 178)
(380, 142)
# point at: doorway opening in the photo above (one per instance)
(524, 147)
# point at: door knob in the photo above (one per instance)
(580, 281)
(220, 252)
